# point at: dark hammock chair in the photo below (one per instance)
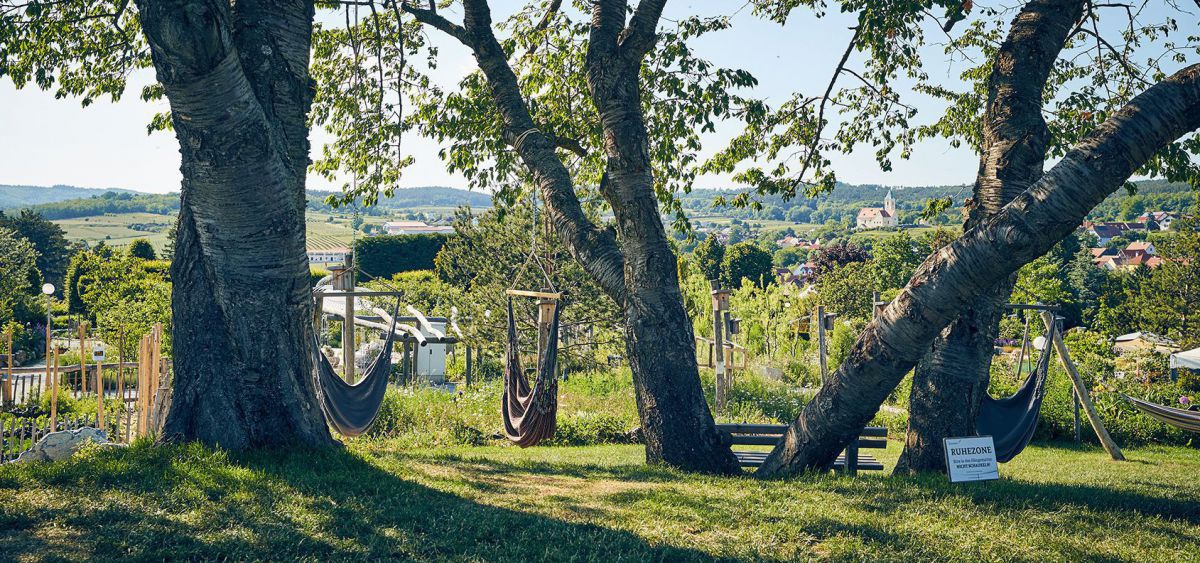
(530, 413)
(1179, 418)
(351, 409)
(1011, 421)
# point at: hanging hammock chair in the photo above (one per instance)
(1179, 418)
(1011, 421)
(352, 408)
(530, 413)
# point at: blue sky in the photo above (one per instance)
(46, 141)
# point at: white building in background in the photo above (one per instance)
(328, 256)
(878, 217)
(1160, 220)
(415, 228)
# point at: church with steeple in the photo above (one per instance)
(878, 217)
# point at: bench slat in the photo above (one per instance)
(874, 443)
(780, 429)
(776, 429)
(751, 440)
(755, 459)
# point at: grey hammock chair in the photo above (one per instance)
(1012, 420)
(530, 412)
(352, 408)
(1179, 418)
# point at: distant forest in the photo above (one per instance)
(13, 197)
(842, 204)
(124, 201)
(839, 206)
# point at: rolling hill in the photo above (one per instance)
(12, 197)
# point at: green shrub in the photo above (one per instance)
(1188, 380)
(424, 417)
(315, 274)
(386, 255)
(802, 374)
(142, 249)
(589, 428)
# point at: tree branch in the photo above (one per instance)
(595, 248)
(430, 17)
(570, 144)
(608, 20)
(639, 38)
(1023, 230)
(543, 23)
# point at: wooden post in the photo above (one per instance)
(49, 341)
(343, 280)
(720, 302)
(83, 383)
(318, 304)
(99, 396)
(730, 329)
(143, 385)
(545, 316)
(8, 390)
(1081, 391)
(821, 349)
(156, 367)
(852, 457)
(121, 375)
(53, 392)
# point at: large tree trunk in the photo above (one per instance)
(238, 88)
(639, 271)
(951, 279)
(949, 383)
(676, 421)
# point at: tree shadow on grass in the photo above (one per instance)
(188, 502)
(873, 509)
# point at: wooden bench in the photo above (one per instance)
(872, 437)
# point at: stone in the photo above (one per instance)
(57, 446)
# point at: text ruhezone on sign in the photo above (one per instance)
(98, 353)
(971, 459)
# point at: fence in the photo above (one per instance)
(31, 397)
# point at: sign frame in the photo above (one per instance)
(990, 470)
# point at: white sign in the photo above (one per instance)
(98, 353)
(971, 459)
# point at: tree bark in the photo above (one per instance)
(949, 383)
(676, 421)
(638, 272)
(238, 87)
(951, 279)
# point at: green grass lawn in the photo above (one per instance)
(374, 500)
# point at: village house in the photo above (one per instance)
(1136, 341)
(328, 256)
(878, 217)
(1106, 231)
(805, 271)
(415, 228)
(1157, 220)
(797, 242)
(1137, 253)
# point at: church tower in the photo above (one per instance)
(889, 204)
